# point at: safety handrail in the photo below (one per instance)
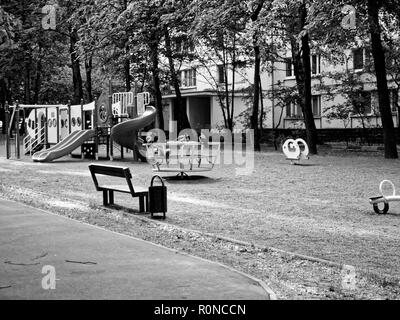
(12, 121)
(381, 189)
(31, 143)
(26, 142)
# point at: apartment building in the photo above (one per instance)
(201, 83)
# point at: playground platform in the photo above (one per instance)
(94, 263)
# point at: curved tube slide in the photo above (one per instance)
(124, 132)
(65, 147)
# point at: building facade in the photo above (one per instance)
(202, 86)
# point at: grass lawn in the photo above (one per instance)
(319, 209)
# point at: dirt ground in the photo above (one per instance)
(319, 208)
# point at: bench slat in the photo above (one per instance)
(108, 190)
(119, 188)
(110, 171)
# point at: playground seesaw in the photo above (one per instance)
(295, 150)
(385, 199)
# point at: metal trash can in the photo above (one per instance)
(157, 197)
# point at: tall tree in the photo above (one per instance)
(257, 83)
(389, 136)
(144, 17)
(219, 29)
(176, 20)
(179, 107)
(371, 14)
(75, 66)
(300, 48)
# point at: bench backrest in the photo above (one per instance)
(114, 171)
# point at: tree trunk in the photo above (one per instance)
(127, 62)
(389, 135)
(256, 96)
(27, 79)
(179, 109)
(88, 70)
(156, 83)
(302, 70)
(38, 81)
(39, 69)
(257, 67)
(232, 111)
(127, 71)
(144, 77)
(76, 69)
(262, 109)
(226, 84)
(3, 99)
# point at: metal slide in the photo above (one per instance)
(65, 147)
(124, 132)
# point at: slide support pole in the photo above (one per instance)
(135, 136)
(111, 149)
(69, 117)
(96, 129)
(46, 132)
(7, 115)
(82, 127)
(58, 124)
(17, 149)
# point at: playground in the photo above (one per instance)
(319, 208)
(292, 220)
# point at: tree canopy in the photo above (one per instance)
(143, 44)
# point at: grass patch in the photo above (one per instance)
(318, 210)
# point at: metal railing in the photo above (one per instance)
(31, 143)
(125, 98)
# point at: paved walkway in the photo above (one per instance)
(92, 263)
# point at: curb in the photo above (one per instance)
(246, 244)
(237, 242)
(280, 251)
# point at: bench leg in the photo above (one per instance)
(141, 204)
(147, 203)
(105, 198)
(111, 197)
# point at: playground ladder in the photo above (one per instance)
(125, 98)
(30, 143)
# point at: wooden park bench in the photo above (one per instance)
(108, 190)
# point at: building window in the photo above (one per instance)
(293, 110)
(394, 100)
(363, 103)
(188, 78)
(367, 56)
(367, 102)
(184, 46)
(316, 105)
(289, 67)
(358, 59)
(315, 64)
(221, 74)
(374, 103)
(361, 58)
(288, 109)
